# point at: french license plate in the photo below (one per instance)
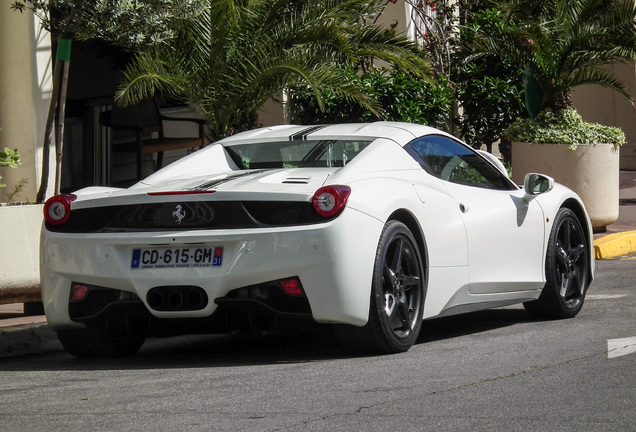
(177, 257)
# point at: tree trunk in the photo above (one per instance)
(46, 146)
(56, 118)
(59, 127)
(562, 101)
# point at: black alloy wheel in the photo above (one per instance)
(397, 296)
(567, 270)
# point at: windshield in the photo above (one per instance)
(295, 154)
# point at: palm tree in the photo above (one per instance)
(240, 53)
(560, 44)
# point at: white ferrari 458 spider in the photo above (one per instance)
(370, 228)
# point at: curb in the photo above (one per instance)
(615, 245)
(28, 339)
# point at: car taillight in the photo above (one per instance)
(292, 286)
(57, 209)
(328, 201)
(79, 292)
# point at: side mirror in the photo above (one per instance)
(536, 184)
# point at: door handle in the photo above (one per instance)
(463, 207)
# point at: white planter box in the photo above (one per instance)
(592, 171)
(20, 253)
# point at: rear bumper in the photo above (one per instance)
(334, 262)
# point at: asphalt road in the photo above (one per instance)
(490, 371)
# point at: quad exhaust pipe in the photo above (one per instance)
(177, 298)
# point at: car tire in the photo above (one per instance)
(567, 270)
(397, 296)
(96, 341)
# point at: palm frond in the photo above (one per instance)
(145, 77)
(564, 43)
(239, 53)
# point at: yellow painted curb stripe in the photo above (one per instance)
(614, 245)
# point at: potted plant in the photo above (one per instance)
(559, 45)
(586, 158)
(20, 272)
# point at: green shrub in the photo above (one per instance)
(9, 158)
(563, 127)
(489, 88)
(400, 96)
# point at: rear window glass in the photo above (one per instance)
(295, 154)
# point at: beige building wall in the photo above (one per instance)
(272, 114)
(600, 105)
(397, 14)
(25, 92)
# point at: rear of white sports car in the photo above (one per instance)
(259, 247)
(183, 256)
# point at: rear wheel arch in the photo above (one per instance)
(397, 297)
(407, 218)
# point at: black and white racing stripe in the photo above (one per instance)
(302, 135)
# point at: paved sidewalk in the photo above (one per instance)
(20, 334)
(620, 238)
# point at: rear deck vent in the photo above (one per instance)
(297, 180)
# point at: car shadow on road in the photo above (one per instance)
(224, 351)
(471, 323)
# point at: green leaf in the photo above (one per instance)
(238, 54)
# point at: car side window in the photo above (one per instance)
(455, 162)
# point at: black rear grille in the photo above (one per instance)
(282, 213)
(268, 295)
(98, 300)
(188, 216)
